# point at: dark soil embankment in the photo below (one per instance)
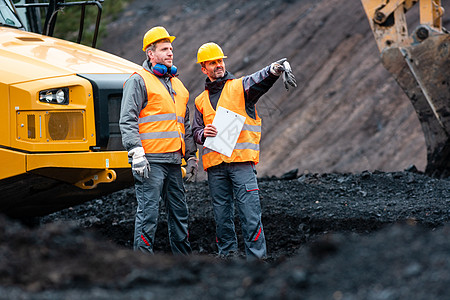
(330, 236)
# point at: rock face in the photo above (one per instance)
(347, 115)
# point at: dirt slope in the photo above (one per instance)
(348, 113)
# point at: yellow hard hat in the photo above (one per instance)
(155, 34)
(209, 51)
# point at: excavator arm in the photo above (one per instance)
(420, 63)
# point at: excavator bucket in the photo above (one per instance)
(423, 72)
(420, 63)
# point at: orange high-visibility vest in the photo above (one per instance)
(247, 146)
(161, 121)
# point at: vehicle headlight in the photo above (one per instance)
(56, 96)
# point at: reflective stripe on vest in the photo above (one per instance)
(161, 121)
(247, 146)
(238, 146)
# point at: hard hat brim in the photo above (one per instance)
(214, 58)
(171, 38)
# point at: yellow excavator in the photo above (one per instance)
(60, 142)
(420, 63)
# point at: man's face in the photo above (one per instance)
(214, 69)
(163, 54)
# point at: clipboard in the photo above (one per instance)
(229, 125)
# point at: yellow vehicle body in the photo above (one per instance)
(53, 155)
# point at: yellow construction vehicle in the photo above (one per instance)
(60, 142)
(420, 63)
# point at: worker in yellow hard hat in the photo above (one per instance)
(234, 176)
(155, 127)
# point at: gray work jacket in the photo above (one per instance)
(254, 85)
(134, 99)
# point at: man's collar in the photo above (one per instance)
(214, 86)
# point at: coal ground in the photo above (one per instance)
(372, 235)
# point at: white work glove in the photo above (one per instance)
(282, 67)
(277, 68)
(191, 169)
(139, 162)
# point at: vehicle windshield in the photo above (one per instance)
(8, 16)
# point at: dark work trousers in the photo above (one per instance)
(237, 180)
(165, 181)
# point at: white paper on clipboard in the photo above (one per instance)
(229, 125)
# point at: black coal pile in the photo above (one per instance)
(372, 235)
